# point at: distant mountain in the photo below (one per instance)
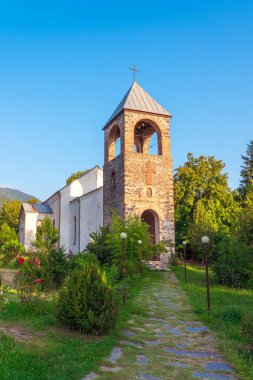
(7, 194)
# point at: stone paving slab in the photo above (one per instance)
(169, 345)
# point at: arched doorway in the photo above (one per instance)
(151, 218)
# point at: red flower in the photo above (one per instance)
(38, 281)
(37, 261)
(30, 261)
(21, 261)
(38, 266)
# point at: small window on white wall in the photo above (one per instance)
(74, 230)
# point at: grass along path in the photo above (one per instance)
(162, 339)
(227, 308)
(33, 346)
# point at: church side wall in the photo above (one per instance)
(74, 226)
(91, 215)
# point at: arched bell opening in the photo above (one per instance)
(114, 143)
(147, 138)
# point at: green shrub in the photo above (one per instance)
(57, 266)
(233, 266)
(10, 250)
(87, 302)
(247, 329)
(83, 259)
(98, 246)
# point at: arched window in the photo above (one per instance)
(74, 242)
(113, 181)
(114, 143)
(149, 192)
(147, 138)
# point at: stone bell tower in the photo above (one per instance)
(138, 174)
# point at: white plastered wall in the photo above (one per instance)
(91, 211)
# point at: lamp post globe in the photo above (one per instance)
(184, 243)
(205, 239)
(140, 242)
(123, 235)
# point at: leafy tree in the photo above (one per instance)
(243, 228)
(76, 175)
(202, 180)
(46, 236)
(136, 230)
(233, 266)
(202, 225)
(9, 213)
(7, 233)
(247, 169)
(32, 201)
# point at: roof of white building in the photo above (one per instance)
(42, 209)
(138, 99)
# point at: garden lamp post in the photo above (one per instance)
(140, 258)
(123, 237)
(184, 245)
(205, 241)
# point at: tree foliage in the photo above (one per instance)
(32, 201)
(76, 175)
(243, 228)
(9, 213)
(46, 237)
(136, 229)
(202, 225)
(201, 180)
(247, 169)
(7, 233)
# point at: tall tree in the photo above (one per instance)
(9, 213)
(202, 180)
(247, 169)
(47, 236)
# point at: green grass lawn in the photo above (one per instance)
(227, 308)
(48, 351)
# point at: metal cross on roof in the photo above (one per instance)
(134, 71)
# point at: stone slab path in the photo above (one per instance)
(164, 341)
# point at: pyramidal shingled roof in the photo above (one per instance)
(138, 100)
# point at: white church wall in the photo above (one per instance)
(99, 178)
(77, 188)
(29, 226)
(66, 212)
(91, 211)
(74, 226)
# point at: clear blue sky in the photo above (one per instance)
(64, 68)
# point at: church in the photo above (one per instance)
(136, 179)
